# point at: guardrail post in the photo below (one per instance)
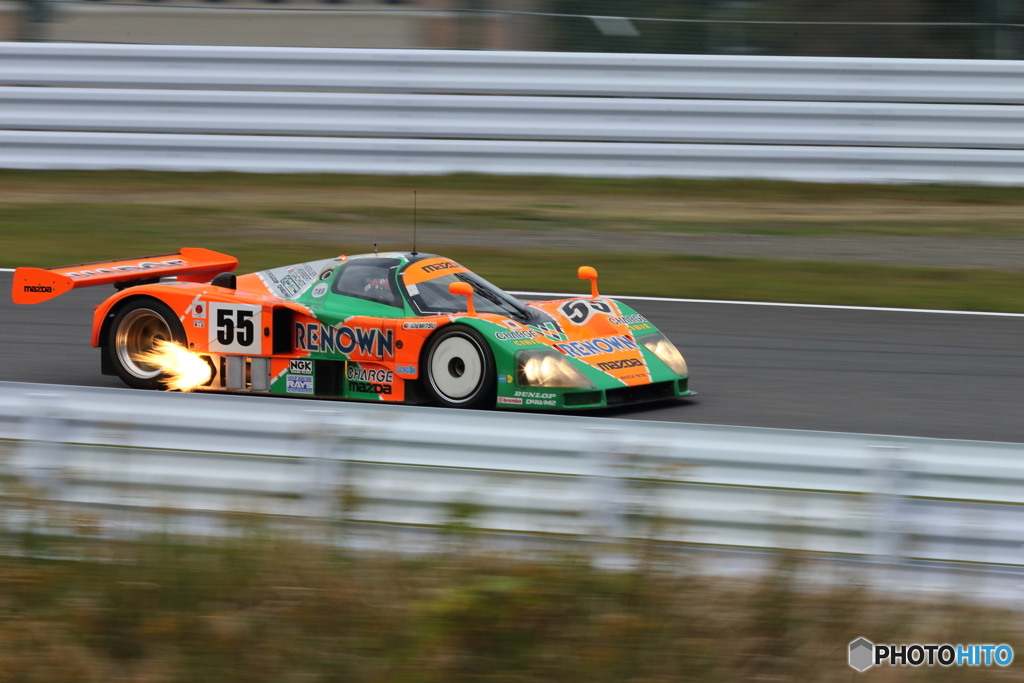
(605, 514)
(889, 518)
(43, 451)
(326, 465)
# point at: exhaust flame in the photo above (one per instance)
(184, 370)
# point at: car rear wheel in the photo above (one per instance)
(459, 369)
(135, 330)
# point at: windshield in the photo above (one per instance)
(430, 295)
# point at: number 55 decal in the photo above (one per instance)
(579, 312)
(235, 328)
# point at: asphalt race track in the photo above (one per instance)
(881, 372)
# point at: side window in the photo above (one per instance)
(372, 279)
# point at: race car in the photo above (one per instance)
(395, 327)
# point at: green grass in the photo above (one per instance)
(538, 203)
(50, 219)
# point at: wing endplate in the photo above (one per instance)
(34, 285)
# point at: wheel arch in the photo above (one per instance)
(480, 329)
(105, 314)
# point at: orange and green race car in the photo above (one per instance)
(398, 327)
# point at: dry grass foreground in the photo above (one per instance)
(261, 608)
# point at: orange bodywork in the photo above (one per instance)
(258, 333)
(35, 285)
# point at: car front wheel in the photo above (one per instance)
(459, 369)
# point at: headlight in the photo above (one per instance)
(547, 368)
(660, 346)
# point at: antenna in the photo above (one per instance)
(374, 223)
(414, 222)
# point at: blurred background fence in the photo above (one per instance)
(968, 29)
(400, 111)
(134, 462)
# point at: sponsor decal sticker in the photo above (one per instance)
(144, 265)
(505, 379)
(610, 365)
(641, 326)
(418, 326)
(551, 330)
(444, 265)
(39, 289)
(517, 334)
(358, 373)
(290, 281)
(299, 384)
(369, 380)
(344, 339)
(406, 369)
(370, 388)
(627, 320)
(199, 323)
(534, 394)
(413, 290)
(319, 289)
(597, 347)
(300, 366)
(508, 400)
(199, 310)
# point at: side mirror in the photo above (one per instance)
(226, 280)
(588, 273)
(464, 289)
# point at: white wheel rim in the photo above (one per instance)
(456, 369)
(137, 334)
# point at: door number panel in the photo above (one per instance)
(235, 328)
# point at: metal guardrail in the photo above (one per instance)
(504, 117)
(245, 109)
(513, 73)
(295, 154)
(125, 456)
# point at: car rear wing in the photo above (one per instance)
(35, 285)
